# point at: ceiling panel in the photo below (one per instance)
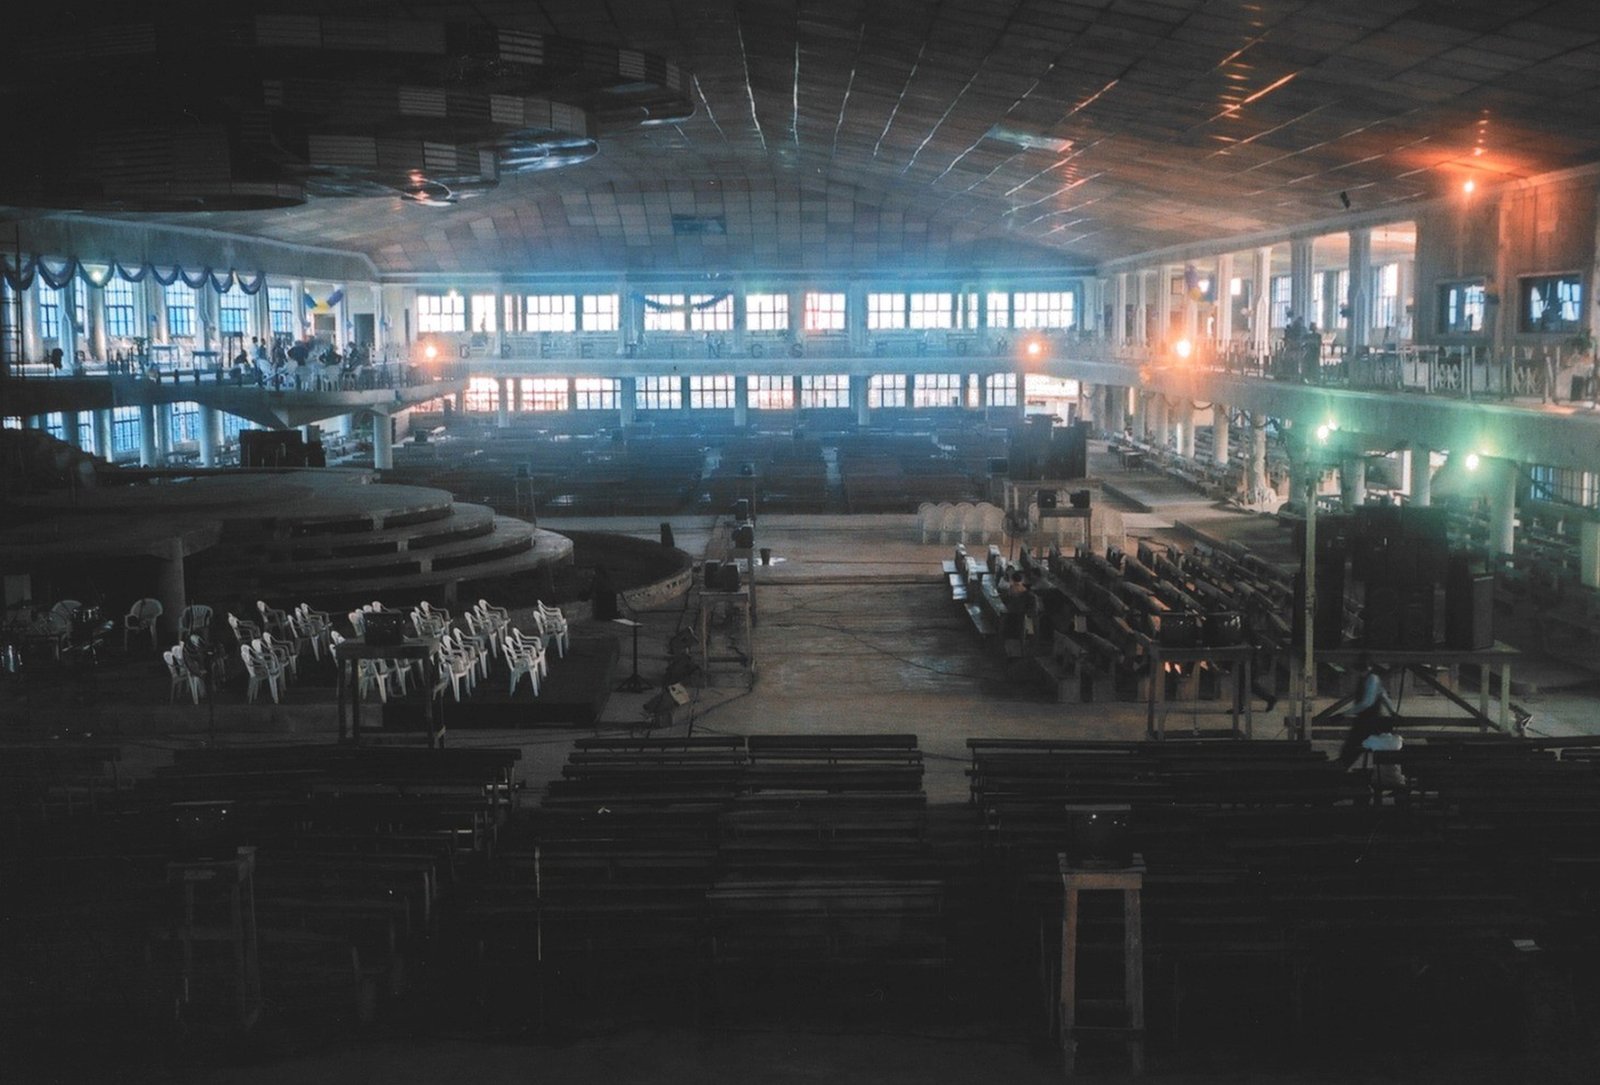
(852, 134)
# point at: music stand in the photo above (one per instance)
(633, 683)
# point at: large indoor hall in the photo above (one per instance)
(701, 540)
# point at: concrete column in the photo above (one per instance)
(1159, 420)
(147, 435)
(1297, 468)
(210, 435)
(1224, 298)
(860, 394)
(96, 311)
(1353, 482)
(1119, 317)
(502, 417)
(1502, 485)
(1261, 322)
(500, 322)
(1404, 329)
(1116, 408)
(1300, 278)
(71, 342)
(102, 434)
(205, 314)
(1421, 475)
(1142, 412)
(1089, 405)
(32, 349)
(1163, 304)
(628, 399)
(170, 590)
(1358, 333)
(1141, 310)
(155, 307)
(1186, 421)
(382, 442)
(1191, 313)
(1256, 484)
(741, 399)
(163, 431)
(1589, 553)
(1219, 434)
(855, 315)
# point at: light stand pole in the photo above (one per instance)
(1308, 663)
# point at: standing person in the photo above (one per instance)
(1366, 711)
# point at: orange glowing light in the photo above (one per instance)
(1183, 348)
(1468, 186)
(430, 352)
(1034, 348)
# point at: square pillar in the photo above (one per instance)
(1360, 300)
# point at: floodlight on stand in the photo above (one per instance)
(1473, 461)
(430, 352)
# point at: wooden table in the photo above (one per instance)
(347, 657)
(1128, 881)
(1238, 660)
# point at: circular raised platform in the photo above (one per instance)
(314, 534)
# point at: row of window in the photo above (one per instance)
(822, 312)
(766, 393)
(183, 426)
(125, 314)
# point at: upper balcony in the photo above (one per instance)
(282, 399)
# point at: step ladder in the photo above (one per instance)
(1129, 881)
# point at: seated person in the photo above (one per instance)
(1367, 718)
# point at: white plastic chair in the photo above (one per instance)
(972, 523)
(260, 669)
(60, 618)
(286, 651)
(476, 647)
(484, 630)
(181, 677)
(358, 622)
(950, 525)
(272, 619)
(274, 654)
(195, 619)
(520, 643)
(994, 522)
(243, 632)
(524, 660)
(456, 669)
(555, 628)
(141, 618)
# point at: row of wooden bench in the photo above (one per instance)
(699, 865)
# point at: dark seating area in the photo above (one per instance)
(1092, 627)
(696, 877)
(338, 859)
(1278, 887)
(737, 880)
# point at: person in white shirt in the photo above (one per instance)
(1366, 712)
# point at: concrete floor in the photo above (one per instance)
(855, 633)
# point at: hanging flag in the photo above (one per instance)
(335, 298)
(310, 302)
